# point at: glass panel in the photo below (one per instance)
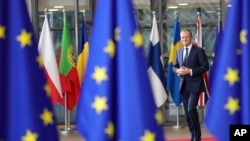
(187, 17)
(146, 34)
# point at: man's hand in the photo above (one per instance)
(183, 71)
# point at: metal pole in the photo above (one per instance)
(202, 108)
(76, 27)
(66, 129)
(66, 126)
(219, 19)
(177, 119)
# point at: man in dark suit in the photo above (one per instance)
(190, 63)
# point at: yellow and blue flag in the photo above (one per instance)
(172, 79)
(25, 107)
(83, 53)
(116, 102)
(229, 103)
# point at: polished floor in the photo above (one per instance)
(171, 132)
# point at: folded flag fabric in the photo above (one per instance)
(229, 103)
(26, 111)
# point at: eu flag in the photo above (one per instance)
(116, 102)
(172, 79)
(217, 48)
(230, 99)
(25, 108)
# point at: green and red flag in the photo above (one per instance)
(67, 69)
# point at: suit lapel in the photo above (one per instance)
(181, 56)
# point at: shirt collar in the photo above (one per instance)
(189, 46)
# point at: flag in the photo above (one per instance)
(46, 51)
(198, 42)
(26, 111)
(155, 67)
(83, 52)
(217, 48)
(172, 79)
(229, 103)
(67, 69)
(198, 34)
(117, 102)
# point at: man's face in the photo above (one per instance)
(186, 38)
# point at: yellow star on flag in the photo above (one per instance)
(47, 117)
(137, 39)
(110, 130)
(24, 38)
(110, 48)
(232, 76)
(100, 104)
(100, 74)
(159, 118)
(148, 136)
(47, 90)
(232, 105)
(29, 136)
(2, 32)
(39, 61)
(243, 36)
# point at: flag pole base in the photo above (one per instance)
(66, 130)
(177, 127)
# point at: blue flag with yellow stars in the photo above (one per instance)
(217, 48)
(116, 102)
(26, 113)
(230, 97)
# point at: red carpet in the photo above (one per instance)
(203, 139)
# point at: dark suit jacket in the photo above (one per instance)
(198, 62)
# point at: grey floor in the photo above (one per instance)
(171, 132)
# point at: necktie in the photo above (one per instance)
(186, 57)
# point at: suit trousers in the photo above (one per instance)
(190, 102)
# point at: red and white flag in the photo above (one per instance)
(198, 43)
(47, 53)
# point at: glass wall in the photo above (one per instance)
(187, 17)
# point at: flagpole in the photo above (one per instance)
(219, 17)
(198, 17)
(66, 129)
(177, 110)
(177, 126)
(76, 27)
(201, 107)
